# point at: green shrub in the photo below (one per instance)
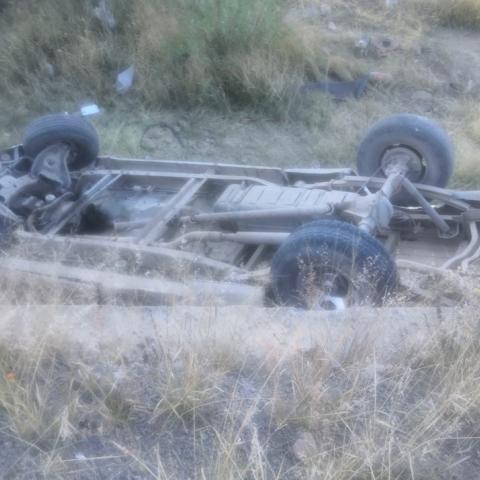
(215, 52)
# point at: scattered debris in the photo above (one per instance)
(104, 15)
(50, 69)
(381, 77)
(361, 46)
(339, 90)
(305, 447)
(377, 47)
(89, 109)
(125, 80)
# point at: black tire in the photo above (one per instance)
(63, 128)
(329, 247)
(419, 135)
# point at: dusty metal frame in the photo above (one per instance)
(150, 245)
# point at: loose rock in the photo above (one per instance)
(361, 46)
(377, 47)
(305, 447)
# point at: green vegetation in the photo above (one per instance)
(241, 59)
(189, 52)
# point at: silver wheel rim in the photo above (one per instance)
(327, 290)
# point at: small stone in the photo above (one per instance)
(305, 447)
(470, 85)
(381, 77)
(50, 69)
(361, 46)
(332, 26)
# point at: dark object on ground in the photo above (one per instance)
(339, 90)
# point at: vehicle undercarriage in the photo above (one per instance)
(194, 232)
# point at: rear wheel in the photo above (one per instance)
(331, 265)
(72, 130)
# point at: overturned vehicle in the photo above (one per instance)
(158, 232)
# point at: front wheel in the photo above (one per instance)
(414, 143)
(331, 265)
(72, 130)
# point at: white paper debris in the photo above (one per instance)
(105, 16)
(125, 80)
(91, 109)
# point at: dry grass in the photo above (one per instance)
(214, 405)
(409, 410)
(220, 405)
(228, 53)
(455, 13)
